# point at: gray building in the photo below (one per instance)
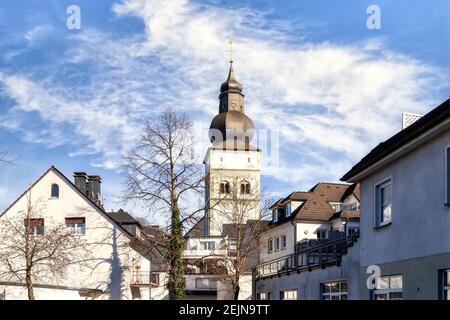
(405, 212)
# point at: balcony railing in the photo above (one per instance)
(145, 279)
(318, 254)
(346, 207)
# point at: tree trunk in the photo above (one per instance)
(29, 285)
(236, 292)
(176, 287)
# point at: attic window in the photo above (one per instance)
(287, 209)
(54, 193)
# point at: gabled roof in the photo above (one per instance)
(122, 217)
(432, 119)
(345, 215)
(81, 194)
(316, 202)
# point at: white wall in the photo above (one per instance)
(111, 259)
(277, 231)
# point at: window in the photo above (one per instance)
(76, 225)
(245, 187)
(248, 160)
(36, 226)
(205, 283)
(384, 203)
(233, 244)
(277, 244)
(262, 296)
(270, 245)
(352, 230)
(447, 175)
(275, 215)
(445, 285)
(154, 278)
(225, 187)
(283, 242)
(288, 295)
(321, 234)
(334, 290)
(287, 209)
(208, 245)
(388, 288)
(54, 191)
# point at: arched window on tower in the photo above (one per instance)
(245, 187)
(224, 187)
(54, 193)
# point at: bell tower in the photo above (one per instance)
(232, 164)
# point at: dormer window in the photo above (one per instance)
(287, 209)
(54, 193)
(224, 187)
(275, 215)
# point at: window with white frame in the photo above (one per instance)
(205, 283)
(384, 203)
(76, 225)
(277, 243)
(283, 242)
(232, 244)
(287, 209)
(388, 288)
(288, 295)
(262, 296)
(336, 290)
(445, 278)
(270, 245)
(275, 215)
(35, 227)
(208, 245)
(447, 175)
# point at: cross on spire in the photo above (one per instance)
(230, 42)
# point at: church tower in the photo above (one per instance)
(232, 164)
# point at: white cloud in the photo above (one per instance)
(337, 100)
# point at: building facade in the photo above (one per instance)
(117, 264)
(309, 251)
(405, 214)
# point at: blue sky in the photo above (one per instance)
(312, 71)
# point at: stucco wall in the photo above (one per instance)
(420, 221)
(286, 229)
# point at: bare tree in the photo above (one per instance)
(31, 252)
(244, 213)
(162, 174)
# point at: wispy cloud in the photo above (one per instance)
(331, 102)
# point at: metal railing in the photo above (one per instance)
(318, 254)
(346, 207)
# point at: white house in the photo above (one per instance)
(118, 265)
(405, 213)
(311, 231)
